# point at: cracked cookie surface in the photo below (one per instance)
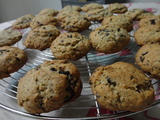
(41, 37)
(11, 60)
(148, 35)
(91, 6)
(71, 46)
(122, 87)
(109, 40)
(49, 12)
(49, 86)
(148, 58)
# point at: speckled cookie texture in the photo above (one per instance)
(75, 23)
(91, 6)
(72, 46)
(11, 60)
(41, 37)
(72, 7)
(23, 21)
(138, 14)
(9, 37)
(148, 35)
(110, 39)
(154, 20)
(148, 58)
(41, 20)
(49, 12)
(122, 87)
(117, 8)
(49, 86)
(98, 14)
(120, 21)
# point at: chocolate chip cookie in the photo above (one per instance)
(148, 58)
(137, 14)
(23, 22)
(49, 12)
(91, 6)
(11, 60)
(148, 35)
(41, 37)
(72, 46)
(72, 7)
(117, 8)
(120, 21)
(98, 14)
(122, 87)
(41, 20)
(109, 40)
(9, 37)
(154, 20)
(49, 86)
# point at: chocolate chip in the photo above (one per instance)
(107, 34)
(145, 53)
(153, 22)
(53, 69)
(122, 35)
(118, 29)
(131, 77)
(64, 72)
(37, 67)
(110, 82)
(141, 58)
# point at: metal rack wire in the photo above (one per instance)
(87, 101)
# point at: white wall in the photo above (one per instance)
(12, 9)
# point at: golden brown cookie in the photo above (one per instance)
(70, 46)
(41, 37)
(71, 7)
(148, 58)
(11, 60)
(148, 35)
(122, 87)
(91, 6)
(49, 86)
(117, 8)
(98, 14)
(110, 39)
(49, 12)
(154, 20)
(23, 22)
(9, 37)
(119, 21)
(41, 20)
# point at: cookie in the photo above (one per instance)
(9, 37)
(120, 21)
(148, 35)
(98, 14)
(117, 8)
(49, 86)
(137, 14)
(109, 40)
(155, 20)
(41, 20)
(41, 37)
(72, 7)
(49, 12)
(91, 6)
(23, 22)
(75, 23)
(72, 46)
(122, 87)
(62, 15)
(11, 60)
(148, 59)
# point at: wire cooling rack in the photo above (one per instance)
(87, 101)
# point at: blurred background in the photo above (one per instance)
(12, 9)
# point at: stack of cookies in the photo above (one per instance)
(49, 86)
